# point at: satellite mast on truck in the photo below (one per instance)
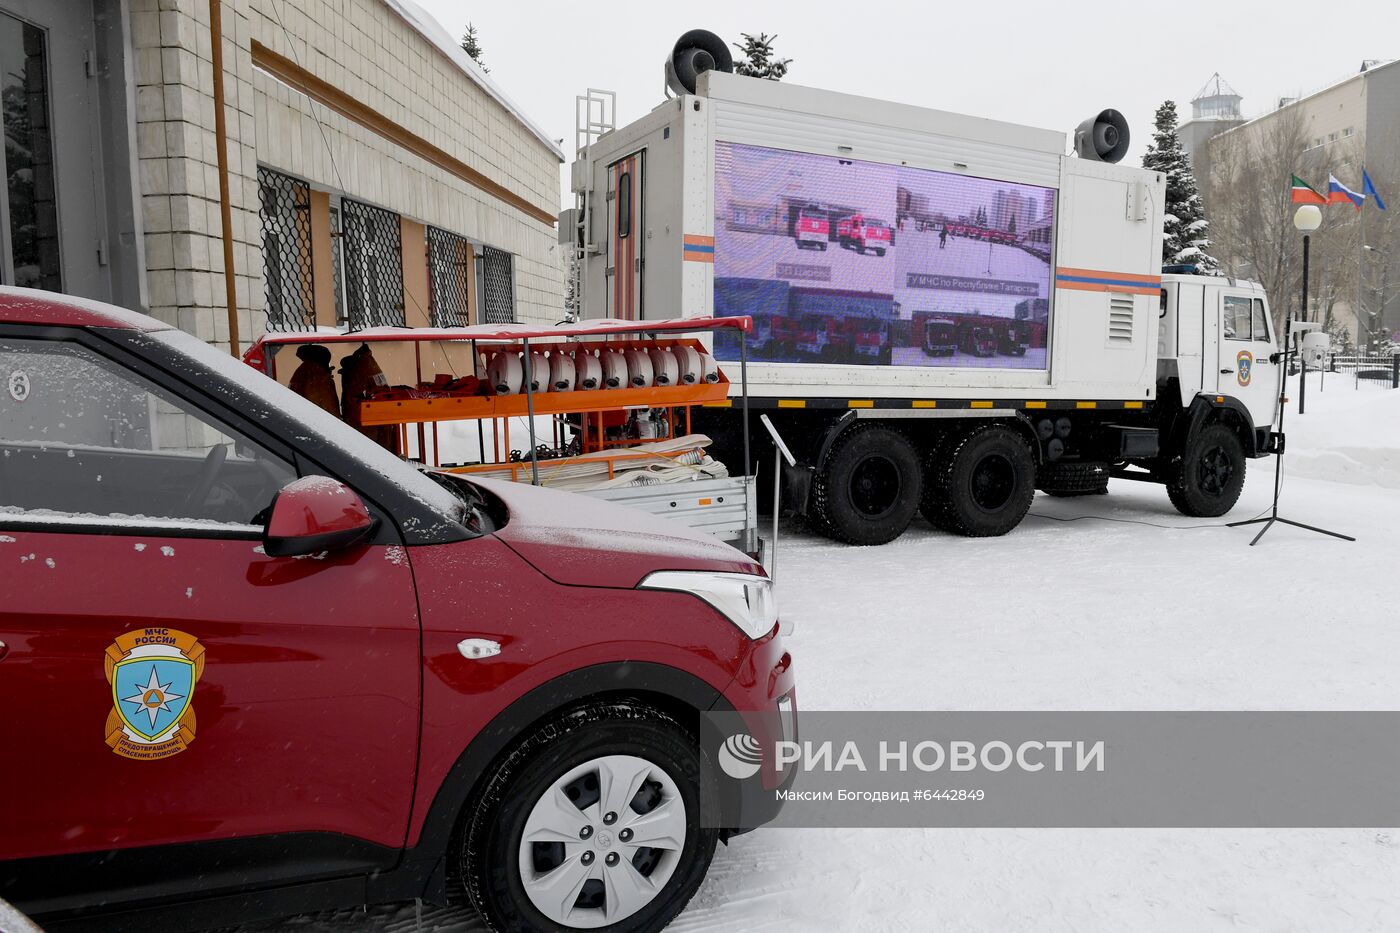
(1018, 330)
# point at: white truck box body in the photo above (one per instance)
(1101, 265)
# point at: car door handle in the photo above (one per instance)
(1226, 372)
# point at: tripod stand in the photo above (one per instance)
(1288, 341)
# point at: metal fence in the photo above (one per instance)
(284, 207)
(449, 278)
(1378, 369)
(373, 266)
(497, 286)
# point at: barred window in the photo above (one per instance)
(338, 265)
(497, 286)
(284, 207)
(449, 278)
(373, 256)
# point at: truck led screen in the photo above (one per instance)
(844, 261)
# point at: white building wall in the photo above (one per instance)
(178, 166)
(366, 50)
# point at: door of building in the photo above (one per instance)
(53, 229)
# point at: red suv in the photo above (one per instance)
(253, 664)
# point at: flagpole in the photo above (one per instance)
(1360, 276)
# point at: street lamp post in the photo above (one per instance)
(1378, 316)
(1363, 346)
(1307, 219)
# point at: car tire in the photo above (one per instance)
(1208, 480)
(869, 487)
(983, 487)
(609, 737)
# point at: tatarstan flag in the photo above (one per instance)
(1303, 193)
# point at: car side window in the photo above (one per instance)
(1237, 318)
(81, 436)
(1261, 320)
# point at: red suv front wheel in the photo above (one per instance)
(592, 822)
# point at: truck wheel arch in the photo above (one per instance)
(672, 690)
(1230, 412)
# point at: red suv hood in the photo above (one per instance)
(580, 541)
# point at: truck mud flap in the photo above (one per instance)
(797, 488)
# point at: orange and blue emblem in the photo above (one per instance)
(1244, 367)
(1093, 280)
(153, 673)
(697, 248)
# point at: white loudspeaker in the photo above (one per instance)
(664, 368)
(639, 371)
(505, 373)
(614, 369)
(561, 371)
(691, 367)
(588, 370)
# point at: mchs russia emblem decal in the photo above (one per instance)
(153, 673)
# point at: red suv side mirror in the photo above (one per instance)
(315, 513)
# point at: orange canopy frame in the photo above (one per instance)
(260, 355)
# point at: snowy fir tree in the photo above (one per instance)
(758, 60)
(471, 44)
(1185, 230)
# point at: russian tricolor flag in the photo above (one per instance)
(1338, 193)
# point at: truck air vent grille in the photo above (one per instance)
(1120, 319)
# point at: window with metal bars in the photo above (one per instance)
(373, 256)
(284, 207)
(337, 265)
(497, 286)
(449, 278)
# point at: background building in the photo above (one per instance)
(1214, 109)
(375, 175)
(1338, 129)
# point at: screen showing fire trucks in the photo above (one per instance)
(846, 261)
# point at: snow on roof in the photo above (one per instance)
(432, 30)
(1216, 87)
(594, 327)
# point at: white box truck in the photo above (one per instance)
(949, 311)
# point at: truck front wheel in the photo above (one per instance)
(1208, 481)
(984, 484)
(868, 490)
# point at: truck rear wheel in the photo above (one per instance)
(984, 485)
(1210, 477)
(869, 488)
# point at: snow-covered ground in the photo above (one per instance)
(1116, 603)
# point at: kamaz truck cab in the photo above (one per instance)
(1216, 342)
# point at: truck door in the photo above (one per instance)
(1245, 345)
(625, 238)
(1195, 370)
